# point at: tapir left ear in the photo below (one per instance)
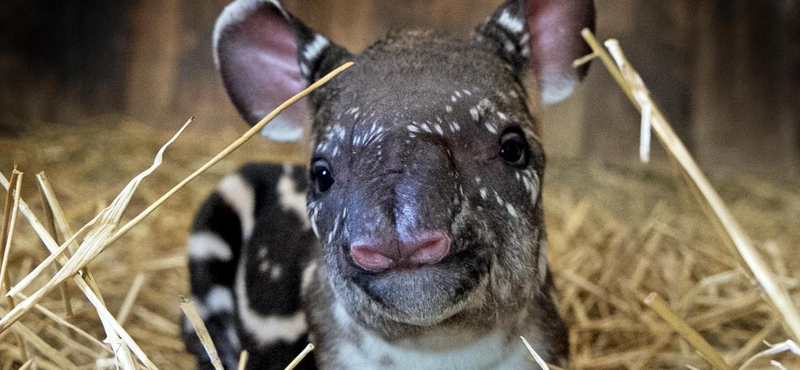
(265, 55)
(544, 36)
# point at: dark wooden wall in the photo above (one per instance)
(726, 72)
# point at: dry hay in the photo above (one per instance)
(616, 235)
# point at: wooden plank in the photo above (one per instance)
(152, 73)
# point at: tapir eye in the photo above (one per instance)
(321, 175)
(514, 149)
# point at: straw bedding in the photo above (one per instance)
(617, 233)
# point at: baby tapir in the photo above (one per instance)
(415, 239)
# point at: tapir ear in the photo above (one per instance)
(544, 36)
(265, 55)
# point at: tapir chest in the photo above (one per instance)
(347, 345)
(494, 351)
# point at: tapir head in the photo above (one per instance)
(426, 170)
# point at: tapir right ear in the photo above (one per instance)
(265, 55)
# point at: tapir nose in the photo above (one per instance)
(425, 248)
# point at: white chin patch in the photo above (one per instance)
(282, 130)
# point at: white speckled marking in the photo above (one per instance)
(262, 328)
(474, 113)
(511, 210)
(276, 272)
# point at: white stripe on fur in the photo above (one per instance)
(290, 198)
(239, 195)
(205, 245)
(266, 329)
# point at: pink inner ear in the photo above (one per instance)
(258, 63)
(555, 27)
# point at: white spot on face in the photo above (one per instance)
(426, 128)
(262, 328)
(498, 199)
(490, 127)
(335, 228)
(483, 193)
(510, 23)
(477, 180)
(314, 220)
(474, 113)
(208, 245)
(239, 195)
(448, 108)
(502, 116)
(438, 129)
(453, 99)
(511, 210)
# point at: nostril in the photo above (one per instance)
(428, 250)
(425, 248)
(370, 257)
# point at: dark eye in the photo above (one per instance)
(321, 175)
(514, 149)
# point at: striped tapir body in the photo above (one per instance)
(415, 239)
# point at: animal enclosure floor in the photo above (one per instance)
(617, 233)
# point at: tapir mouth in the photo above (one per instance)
(423, 294)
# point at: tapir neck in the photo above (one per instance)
(345, 342)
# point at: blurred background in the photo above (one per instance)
(726, 72)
